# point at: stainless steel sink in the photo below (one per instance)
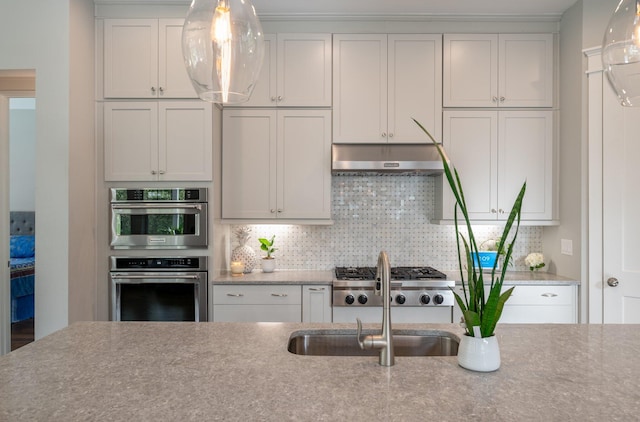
(345, 343)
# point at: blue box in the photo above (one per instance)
(486, 259)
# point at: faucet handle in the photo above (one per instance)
(365, 342)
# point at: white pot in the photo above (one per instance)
(479, 354)
(268, 265)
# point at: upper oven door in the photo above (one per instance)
(158, 225)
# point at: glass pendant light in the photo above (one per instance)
(621, 52)
(223, 48)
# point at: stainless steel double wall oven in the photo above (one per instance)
(162, 285)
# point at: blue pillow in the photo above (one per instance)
(22, 246)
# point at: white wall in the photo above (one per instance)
(22, 149)
(39, 34)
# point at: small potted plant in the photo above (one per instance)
(268, 262)
(481, 309)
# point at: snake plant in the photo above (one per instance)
(478, 309)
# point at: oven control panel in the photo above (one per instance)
(400, 297)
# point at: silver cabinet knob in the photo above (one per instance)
(161, 172)
(161, 90)
(279, 209)
(153, 89)
(612, 281)
(494, 99)
(493, 211)
(272, 211)
(384, 134)
(391, 135)
(279, 97)
(501, 211)
(273, 99)
(502, 99)
(153, 172)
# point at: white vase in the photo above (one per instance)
(268, 265)
(479, 354)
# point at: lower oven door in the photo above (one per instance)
(167, 296)
(412, 314)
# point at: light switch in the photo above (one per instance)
(566, 246)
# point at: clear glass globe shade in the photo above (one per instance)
(621, 52)
(223, 48)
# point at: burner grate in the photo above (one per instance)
(397, 273)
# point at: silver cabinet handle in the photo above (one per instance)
(272, 211)
(494, 99)
(501, 211)
(279, 97)
(161, 89)
(235, 294)
(316, 289)
(273, 98)
(161, 172)
(613, 282)
(153, 89)
(502, 99)
(384, 134)
(493, 211)
(153, 172)
(279, 209)
(279, 294)
(549, 294)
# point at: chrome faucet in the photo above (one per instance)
(384, 341)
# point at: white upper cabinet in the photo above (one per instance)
(296, 72)
(505, 70)
(148, 141)
(381, 82)
(494, 152)
(276, 164)
(143, 59)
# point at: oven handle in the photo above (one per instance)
(156, 277)
(161, 206)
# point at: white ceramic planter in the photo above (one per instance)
(479, 354)
(268, 265)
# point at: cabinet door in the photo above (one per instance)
(304, 164)
(304, 70)
(471, 143)
(173, 79)
(526, 70)
(264, 93)
(130, 58)
(248, 164)
(185, 140)
(414, 87)
(316, 304)
(525, 152)
(130, 141)
(470, 77)
(360, 88)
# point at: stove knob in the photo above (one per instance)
(362, 299)
(349, 299)
(438, 299)
(425, 299)
(401, 299)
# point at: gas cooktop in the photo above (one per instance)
(397, 273)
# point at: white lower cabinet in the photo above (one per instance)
(271, 303)
(316, 303)
(540, 304)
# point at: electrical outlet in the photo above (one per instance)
(566, 246)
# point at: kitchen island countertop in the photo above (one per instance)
(243, 371)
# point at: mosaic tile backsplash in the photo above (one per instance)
(373, 213)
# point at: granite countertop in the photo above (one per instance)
(243, 372)
(327, 277)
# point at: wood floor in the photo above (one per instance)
(21, 333)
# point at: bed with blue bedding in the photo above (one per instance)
(22, 264)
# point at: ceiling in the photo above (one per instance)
(412, 7)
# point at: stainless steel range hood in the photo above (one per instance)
(386, 159)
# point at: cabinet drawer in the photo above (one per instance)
(256, 313)
(257, 295)
(542, 295)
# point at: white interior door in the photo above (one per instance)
(621, 211)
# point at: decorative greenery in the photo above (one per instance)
(477, 309)
(267, 246)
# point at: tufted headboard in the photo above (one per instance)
(23, 222)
